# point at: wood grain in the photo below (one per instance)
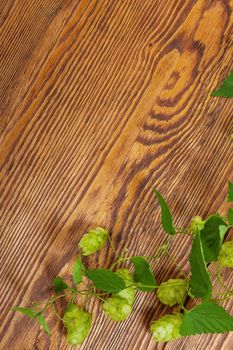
(99, 100)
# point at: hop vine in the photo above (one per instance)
(115, 287)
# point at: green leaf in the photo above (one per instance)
(106, 280)
(207, 317)
(222, 231)
(230, 192)
(143, 274)
(167, 221)
(59, 285)
(77, 271)
(230, 216)
(43, 323)
(33, 314)
(211, 237)
(25, 310)
(200, 283)
(226, 88)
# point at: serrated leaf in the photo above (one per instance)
(200, 283)
(230, 192)
(25, 310)
(167, 221)
(230, 216)
(43, 323)
(207, 317)
(106, 280)
(143, 274)
(226, 88)
(77, 271)
(59, 285)
(211, 239)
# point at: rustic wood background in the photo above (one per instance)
(100, 99)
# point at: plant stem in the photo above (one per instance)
(113, 248)
(118, 261)
(73, 298)
(97, 296)
(183, 231)
(51, 300)
(55, 312)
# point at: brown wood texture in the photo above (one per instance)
(99, 100)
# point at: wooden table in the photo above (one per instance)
(98, 101)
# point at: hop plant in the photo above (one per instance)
(78, 323)
(197, 224)
(120, 305)
(93, 241)
(172, 291)
(167, 327)
(225, 256)
(122, 286)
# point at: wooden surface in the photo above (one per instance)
(100, 99)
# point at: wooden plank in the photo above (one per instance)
(100, 99)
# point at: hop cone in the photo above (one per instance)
(128, 293)
(197, 224)
(93, 241)
(166, 328)
(225, 256)
(120, 305)
(117, 309)
(172, 291)
(78, 323)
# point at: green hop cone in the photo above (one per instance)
(77, 322)
(117, 309)
(197, 224)
(225, 256)
(127, 293)
(167, 327)
(93, 241)
(120, 305)
(172, 291)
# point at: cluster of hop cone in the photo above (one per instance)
(119, 305)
